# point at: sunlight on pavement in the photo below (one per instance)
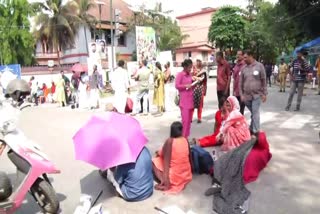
(296, 122)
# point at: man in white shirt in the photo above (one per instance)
(34, 89)
(120, 85)
(275, 73)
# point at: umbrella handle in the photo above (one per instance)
(160, 210)
(95, 200)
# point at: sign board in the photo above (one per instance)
(146, 43)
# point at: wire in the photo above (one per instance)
(307, 11)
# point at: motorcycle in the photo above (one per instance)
(32, 164)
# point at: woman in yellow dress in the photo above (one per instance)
(158, 95)
(60, 93)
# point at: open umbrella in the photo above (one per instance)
(109, 140)
(78, 68)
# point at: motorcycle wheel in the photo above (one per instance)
(45, 196)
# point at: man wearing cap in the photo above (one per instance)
(300, 68)
(283, 71)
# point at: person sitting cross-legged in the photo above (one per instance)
(172, 165)
(234, 130)
(132, 181)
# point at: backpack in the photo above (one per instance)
(202, 162)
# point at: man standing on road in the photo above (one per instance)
(253, 89)
(66, 82)
(223, 76)
(94, 88)
(283, 71)
(142, 77)
(236, 78)
(300, 68)
(120, 85)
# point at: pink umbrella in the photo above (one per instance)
(109, 140)
(79, 68)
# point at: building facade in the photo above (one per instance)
(125, 44)
(196, 26)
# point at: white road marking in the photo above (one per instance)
(296, 122)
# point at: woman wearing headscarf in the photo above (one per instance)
(234, 130)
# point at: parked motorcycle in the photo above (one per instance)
(32, 164)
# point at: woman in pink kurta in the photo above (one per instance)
(234, 130)
(183, 85)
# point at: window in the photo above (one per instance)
(122, 39)
(187, 55)
(107, 34)
(204, 55)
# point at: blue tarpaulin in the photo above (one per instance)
(308, 45)
(8, 73)
(15, 69)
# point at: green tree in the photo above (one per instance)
(87, 20)
(170, 36)
(267, 35)
(16, 41)
(168, 32)
(227, 28)
(305, 14)
(57, 24)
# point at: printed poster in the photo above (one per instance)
(146, 43)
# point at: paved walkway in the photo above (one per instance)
(289, 185)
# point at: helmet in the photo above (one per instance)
(17, 88)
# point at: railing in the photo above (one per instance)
(44, 69)
(47, 55)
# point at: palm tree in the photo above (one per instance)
(86, 19)
(57, 24)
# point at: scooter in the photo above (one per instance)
(32, 164)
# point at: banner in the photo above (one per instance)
(98, 55)
(8, 73)
(146, 43)
(164, 57)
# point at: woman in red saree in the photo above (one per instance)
(210, 140)
(234, 130)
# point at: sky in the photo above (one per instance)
(181, 7)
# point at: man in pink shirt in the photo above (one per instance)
(223, 77)
(236, 78)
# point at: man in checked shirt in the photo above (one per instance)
(300, 68)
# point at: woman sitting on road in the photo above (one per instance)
(172, 165)
(220, 116)
(235, 130)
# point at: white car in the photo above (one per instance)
(212, 71)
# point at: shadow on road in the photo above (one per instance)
(93, 183)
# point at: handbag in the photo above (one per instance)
(129, 105)
(177, 99)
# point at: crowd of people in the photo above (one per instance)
(242, 145)
(172, 166)
(81, 91)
